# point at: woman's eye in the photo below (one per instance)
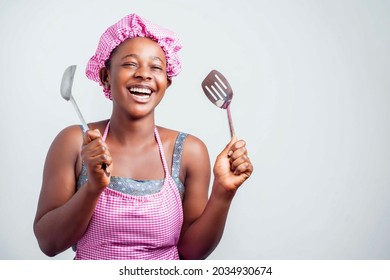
(130, 64)
(157, 67)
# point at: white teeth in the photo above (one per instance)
(143, 97)
(141, 90)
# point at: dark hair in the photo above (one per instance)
(107, 63)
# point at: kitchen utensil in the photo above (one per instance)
(66, 92)
(219, 92)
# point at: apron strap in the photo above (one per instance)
(160, 147)
(106, 131)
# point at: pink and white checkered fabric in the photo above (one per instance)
(132, 26)
(135, 227)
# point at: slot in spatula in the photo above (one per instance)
(219, 92)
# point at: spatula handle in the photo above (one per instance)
(230, 121)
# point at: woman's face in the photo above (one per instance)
(137, 76)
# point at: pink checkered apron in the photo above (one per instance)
(124, 226)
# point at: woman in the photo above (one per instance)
(126, 188)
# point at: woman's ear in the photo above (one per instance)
(169, 81)
(104, 76)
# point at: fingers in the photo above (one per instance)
(239, 159)
(91, 135)
(242, 167)
(225, 152)
(95, 150)
(97, 147)
(99, 160)
(236, 150)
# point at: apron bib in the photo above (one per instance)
(124, 226)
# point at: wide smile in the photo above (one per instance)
(140, 94)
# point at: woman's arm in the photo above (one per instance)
(63, 214)
(204, 219)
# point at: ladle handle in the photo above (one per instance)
(230, 121)
(85, 126)
(83, 123)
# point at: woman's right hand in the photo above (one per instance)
(97, 159)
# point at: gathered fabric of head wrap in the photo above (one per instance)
(132, 26)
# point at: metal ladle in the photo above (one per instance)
(66, 92)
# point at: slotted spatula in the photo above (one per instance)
(219, 92)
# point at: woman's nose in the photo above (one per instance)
(142, 72)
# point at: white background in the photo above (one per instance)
(311, 96)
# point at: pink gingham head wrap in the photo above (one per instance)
(132, 26)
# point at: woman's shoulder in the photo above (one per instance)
(194, 150)
(70, 132)
(73, 135)
(68, 141)
(191, 142)
(76, 131)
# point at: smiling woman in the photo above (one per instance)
(143, 59)
(151, 201)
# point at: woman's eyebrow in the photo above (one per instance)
(137, 56)
(130, 55)
(157, 58)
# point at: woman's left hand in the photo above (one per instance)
(232, 166)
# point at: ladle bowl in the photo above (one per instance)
(66, 92)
